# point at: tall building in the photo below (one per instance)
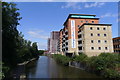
(48, 44)
(82, 33)
(54, 41)
(116, 44)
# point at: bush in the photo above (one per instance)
(112, 74)
(80, 58)
(62, 59)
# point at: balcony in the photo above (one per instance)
(66, 30)
(79, 44)
(66, 41)
(79, 39)
(79, 33)
(66, 35)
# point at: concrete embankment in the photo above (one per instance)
(19, 71)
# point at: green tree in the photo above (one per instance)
(10, 18)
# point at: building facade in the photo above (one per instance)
(48, 45)
(116, 44)
(82, 33)
(54, 41)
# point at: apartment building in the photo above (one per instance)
(116, 44)
(82, 33)
(54, 42)
(48, 44)
(94, 39)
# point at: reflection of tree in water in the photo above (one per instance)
(31, 68)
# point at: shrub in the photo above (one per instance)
(62, 59)
(110, 73)
(80, 58)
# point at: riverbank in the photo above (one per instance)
(19, 71)
(106, 65)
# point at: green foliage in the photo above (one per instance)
(41, 52)
(61, 59)
(111, 74)
(80, 58)
(15, 48)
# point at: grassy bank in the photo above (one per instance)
(106, 64)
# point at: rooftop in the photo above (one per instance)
(81, 16)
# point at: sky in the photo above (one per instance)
(40, 18)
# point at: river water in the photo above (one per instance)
(46, 67)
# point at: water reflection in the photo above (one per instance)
(46, 67)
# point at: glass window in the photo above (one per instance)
(78, 26)
(98, 28)
(98, 34)
(91, 41)
(91, 28)
(86, 21)
(99, 48)
(105, 41)
(92, 21)
(92, 48)
(104, 28)
(106, 48)
(105, 35)
(91, 34)
(98, 41)
(81, 21)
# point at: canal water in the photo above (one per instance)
(46, 67)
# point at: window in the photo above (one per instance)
(91, 34)
(80, 42)
(99, 48)
(79, 36)
(91, 28)
(91, 41)
(104, 28)
(92, 48)
(86, 21)
(78, 26)
(98, 28)
(98, 41)
(81, 21)
(80, 48)
(66, 48)
(105, 35)
(98, 34)
(92, 21)
(106, 48)
(105, 41)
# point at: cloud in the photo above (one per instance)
(73, 5)
(42, 46)
(96, 4)
(76, 5)
(38, 34)
(108, 15)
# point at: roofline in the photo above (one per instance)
(78, 18)
(83, 14)
(116, 37)
(96, 24)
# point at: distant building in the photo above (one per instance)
(48, 44)
(54, 41)
(116, 44)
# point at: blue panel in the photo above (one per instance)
(82, 16)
